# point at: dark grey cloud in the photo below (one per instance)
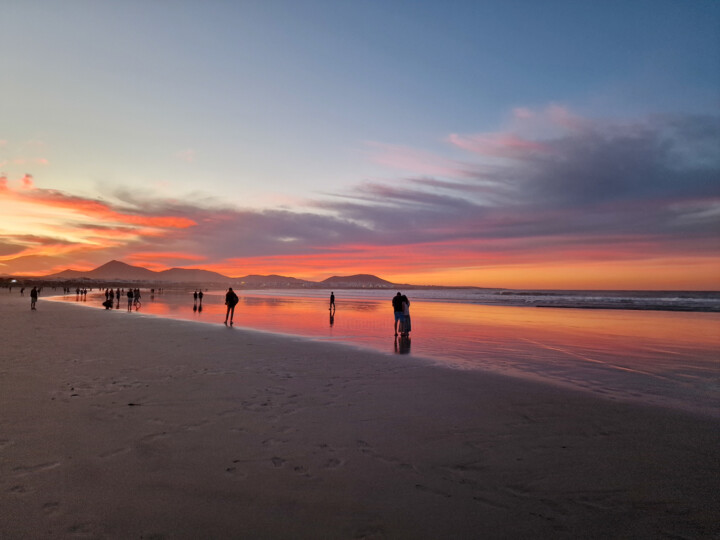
(656, 181)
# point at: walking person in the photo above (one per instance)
(130, 298)
(332, 301)
(33, 298)
(231, 300)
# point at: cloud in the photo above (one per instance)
(188, 155)
(498, 144)
(412, 160)
(95, 208)
(564, 189)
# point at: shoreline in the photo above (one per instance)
(541, 298)
(597, 370)
(121, 427)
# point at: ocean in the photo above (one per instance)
(660, 348)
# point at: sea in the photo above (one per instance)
(654, 347)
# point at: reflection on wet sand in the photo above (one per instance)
(663, 357)
(402, 345)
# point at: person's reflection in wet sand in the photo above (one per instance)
(332, 318)
(402, 345)
(194, 308)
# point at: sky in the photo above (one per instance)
(520, 144)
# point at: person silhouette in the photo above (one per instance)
(231, 300)
(332, 301)
(399, 309)
(33, 298)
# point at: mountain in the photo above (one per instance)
(358, 280)
(113, 270)
(120, 271)
(272, 280)
(190, 275)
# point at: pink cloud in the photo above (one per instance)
(414, 161)
(523, 113)
(497, 144)
(187, 155)
(27, 181)
(561, 116)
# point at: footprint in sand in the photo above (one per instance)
(277, 462)
(51, 508)
(23, 471)
(4, 443)
(113, 453)
(333, 463)
(364, 447)
(432, 490)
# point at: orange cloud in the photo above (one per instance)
(146, 257)
(92, 207)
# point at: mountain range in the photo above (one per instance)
(120, 271)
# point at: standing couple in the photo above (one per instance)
(401, 307)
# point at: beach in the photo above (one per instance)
(117, 426)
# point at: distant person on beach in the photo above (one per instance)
(195, 295)
(231, 300)
(332, 300)
(200, 296)
(33, 298)
(399, 309)
(136, 298)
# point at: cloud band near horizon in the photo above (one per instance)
(551, 191)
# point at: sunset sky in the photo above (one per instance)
(553, 144)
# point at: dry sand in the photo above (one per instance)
(114, 425)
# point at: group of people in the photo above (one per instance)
(197, 300)
(401, 308)
(133, 298)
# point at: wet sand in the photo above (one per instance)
(115, 425)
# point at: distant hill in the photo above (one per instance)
(113, 270)
(120, 271)
(358, 280)
(191, 275)
(272, 280)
